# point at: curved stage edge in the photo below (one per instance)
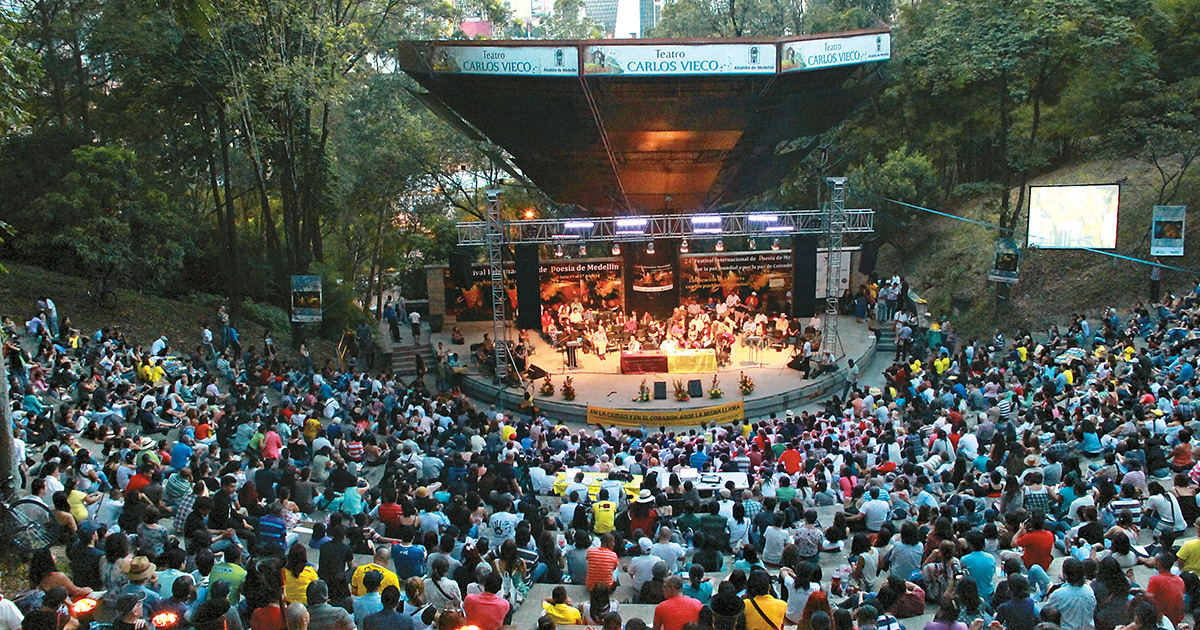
(758, 404)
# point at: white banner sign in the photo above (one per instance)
(814, 54)
(1167, 239)
(649, 60)
(525, 61)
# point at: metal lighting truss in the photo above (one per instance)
(837, 223)
(776, 223)
(494, 233)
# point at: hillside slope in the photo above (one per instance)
(946, 261)
(141, 317)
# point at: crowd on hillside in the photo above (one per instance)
(205, 483)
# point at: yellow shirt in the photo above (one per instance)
(507, 432)
(1070, 377)
(1023, 353)
(563, 614)
(941, 364)
(295, 588)
(605, 513)
(356, 582)
(78, 509)
(772, 607)
(1189, 553)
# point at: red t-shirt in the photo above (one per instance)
(1038, 546)
(674, 613)
(390, 513)
(601, 562)
(267, 618)
(202, 431)
(485, 610)
(136, 482)
(791, 461)
(1167, 593)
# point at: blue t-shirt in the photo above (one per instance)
(180, 455)
(981, 566)
(409, 561)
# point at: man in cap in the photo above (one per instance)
(641, 566)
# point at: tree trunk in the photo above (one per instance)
(231, 217)
(8, 449)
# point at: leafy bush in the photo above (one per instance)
(270, 317)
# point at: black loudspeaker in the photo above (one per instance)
(660, 390)
(868, 256)
(529, 287)
(460, 267)
(804, 279)
(536, 372)
(695, 389)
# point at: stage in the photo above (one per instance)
(599, 382)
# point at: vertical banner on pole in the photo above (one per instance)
(1167, 236)
(306, 298)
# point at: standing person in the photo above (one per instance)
(851, 378)
(414, 318)
(393, 320)
(206, 343)
(1155, 281)
(49, 314)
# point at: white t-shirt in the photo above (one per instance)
(10, 615)
(670, 552)
(642, 569)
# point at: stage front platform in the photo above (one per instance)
(599, 382)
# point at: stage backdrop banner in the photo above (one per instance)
(768, 273)
(595, 282)
(1167, 239)
(720, 414)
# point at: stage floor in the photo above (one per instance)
(600, 382)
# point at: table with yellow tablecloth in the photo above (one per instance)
(592, 480)
(691, 361)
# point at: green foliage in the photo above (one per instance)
(268, 316)
(904, 175)
(113, 227)
(568, 22)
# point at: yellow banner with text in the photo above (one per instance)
(720, 414)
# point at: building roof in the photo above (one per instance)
(629, 126)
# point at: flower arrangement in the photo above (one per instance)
(681, 391)
(643, 394)
(714, 390)
(568, 389)
(547, 386)
(746, 385)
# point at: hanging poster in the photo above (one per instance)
(653, 278)
(1008, 257)
(473, 302)
(768, 275)
(306, 298)
(1167, 238)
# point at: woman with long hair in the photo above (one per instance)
(818, 602)
(297, 575)
(1111, 588)
(946, 617)
(44, 574)
(599, 605)
(511, 568)
(864, 563)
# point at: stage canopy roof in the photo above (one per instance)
(636, 126)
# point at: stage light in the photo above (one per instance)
(579, 225)
(720, 245)
(558, 252)
(650, 247)
(631, 226)
(758, 217)
(616, 250)
(583, 250)
(780, 228)
(706, 219)
(529, 214)
(775, 245)
(751, 243)
(706, 230)
(683, 246)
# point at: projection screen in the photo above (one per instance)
(1065, 217)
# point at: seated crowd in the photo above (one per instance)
(289, 496)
